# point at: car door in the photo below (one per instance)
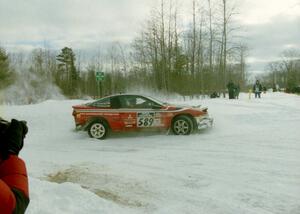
(127, 112)
(149, 114)
(138, 112)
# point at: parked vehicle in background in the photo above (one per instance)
(131, 112)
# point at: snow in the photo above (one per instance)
(247, 163)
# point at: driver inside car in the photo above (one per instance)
(131, 103)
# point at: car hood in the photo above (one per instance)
(185, 107)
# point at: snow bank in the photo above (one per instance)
(49, 198)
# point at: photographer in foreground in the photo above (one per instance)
(14, 194)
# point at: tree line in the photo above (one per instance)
(168, 56)
(198, 59)
(284, 73)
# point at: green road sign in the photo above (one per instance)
(99, 76)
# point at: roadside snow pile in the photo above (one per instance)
(49, 198)
(247, 163)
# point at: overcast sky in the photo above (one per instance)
(270, 25)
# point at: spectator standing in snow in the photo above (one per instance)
(257, 88)
(14, 193)
(237, 91)
(231, 88)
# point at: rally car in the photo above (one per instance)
(131, 112)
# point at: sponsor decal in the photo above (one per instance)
(129, 121)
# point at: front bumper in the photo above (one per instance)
(204, 122)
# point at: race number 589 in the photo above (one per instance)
(145, 120)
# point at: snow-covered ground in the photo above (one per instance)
(249, 162)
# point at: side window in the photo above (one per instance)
(115, 103)
(129, 102)
(142, 103)
(123, 101)
(146, 103)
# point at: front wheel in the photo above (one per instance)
(98, 130)
(182, 125)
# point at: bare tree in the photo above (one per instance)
(210, 52)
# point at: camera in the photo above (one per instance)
(12, 136)
(4, 124)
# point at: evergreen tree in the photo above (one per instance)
(67, 77)
(6, 76)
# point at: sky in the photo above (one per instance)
(269, 26)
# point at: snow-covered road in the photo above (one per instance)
(249, 162)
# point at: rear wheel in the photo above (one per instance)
(98, 129)
(182, 125)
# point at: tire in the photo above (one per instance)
(182, 125)
(98, 130)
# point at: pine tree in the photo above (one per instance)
(67, 77)
(6, 75)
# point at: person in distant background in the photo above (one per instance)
(236, 91)
(14, 193)
(231, 88)
(257, 88)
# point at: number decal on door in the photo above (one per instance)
(145, 119)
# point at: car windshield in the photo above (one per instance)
(157, 101)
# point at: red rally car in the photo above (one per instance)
(130, 112)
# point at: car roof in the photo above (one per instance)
(127, 94)
(131, 94)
